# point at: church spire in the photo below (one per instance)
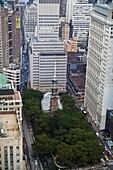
(54, 82)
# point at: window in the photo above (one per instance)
(5, 158)
(11, 158)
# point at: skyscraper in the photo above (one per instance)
(4, 43)
(79, 12)
(48, 20)
(30, 20)
(99, 77)
(10, 36)
(46, 49)
(63, 8)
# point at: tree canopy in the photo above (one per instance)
(66, 134)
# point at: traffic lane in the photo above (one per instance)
(29, 141)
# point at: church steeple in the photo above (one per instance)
(54, 83)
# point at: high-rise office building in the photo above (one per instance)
(99, 77)
(5, 37)
(79, 12)
(17, 37)
(64, 30)
(11, 145)
(63, 8)
(14, 36)
(10, 37)
(4, 43)
(30, 20)
(48, 20)
(42, 57)
(46, 49)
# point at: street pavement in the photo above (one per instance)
(29, 140)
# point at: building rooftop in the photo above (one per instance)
(8, 125)
(3, 81)
(79, 82)
(7, 92)
(79, 67)
(13, 66)
(35, 39)
(104, 9)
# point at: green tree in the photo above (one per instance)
(64, 154)
(80, 153)
(66, 134)
(45, 145)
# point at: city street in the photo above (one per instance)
(29, 141)
(31, 164)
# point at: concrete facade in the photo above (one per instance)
(10, 37)
(11, 144)
(46, 49)
(64, 30)
(99, 77)
(30, 20)
(63, 8)
(48, 20)
(13, 74)
(79, 12)
(42, 57)
(71, 45)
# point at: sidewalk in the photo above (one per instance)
(97, 167)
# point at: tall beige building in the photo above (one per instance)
(11, 144)
(99, 77)
(64, 30)
(1, 62)
(14, 36)
(5, 37)
(4, 43)
(10, 37)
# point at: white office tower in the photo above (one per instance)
(11, 144)
(43, 55)
(48, 20)
(99, 77)
(46, 49)
(79, 12)
(30, 20)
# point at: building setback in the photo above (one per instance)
(46, 49)
(13, 74)
(99, 77)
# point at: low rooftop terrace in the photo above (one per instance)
(8, 124)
